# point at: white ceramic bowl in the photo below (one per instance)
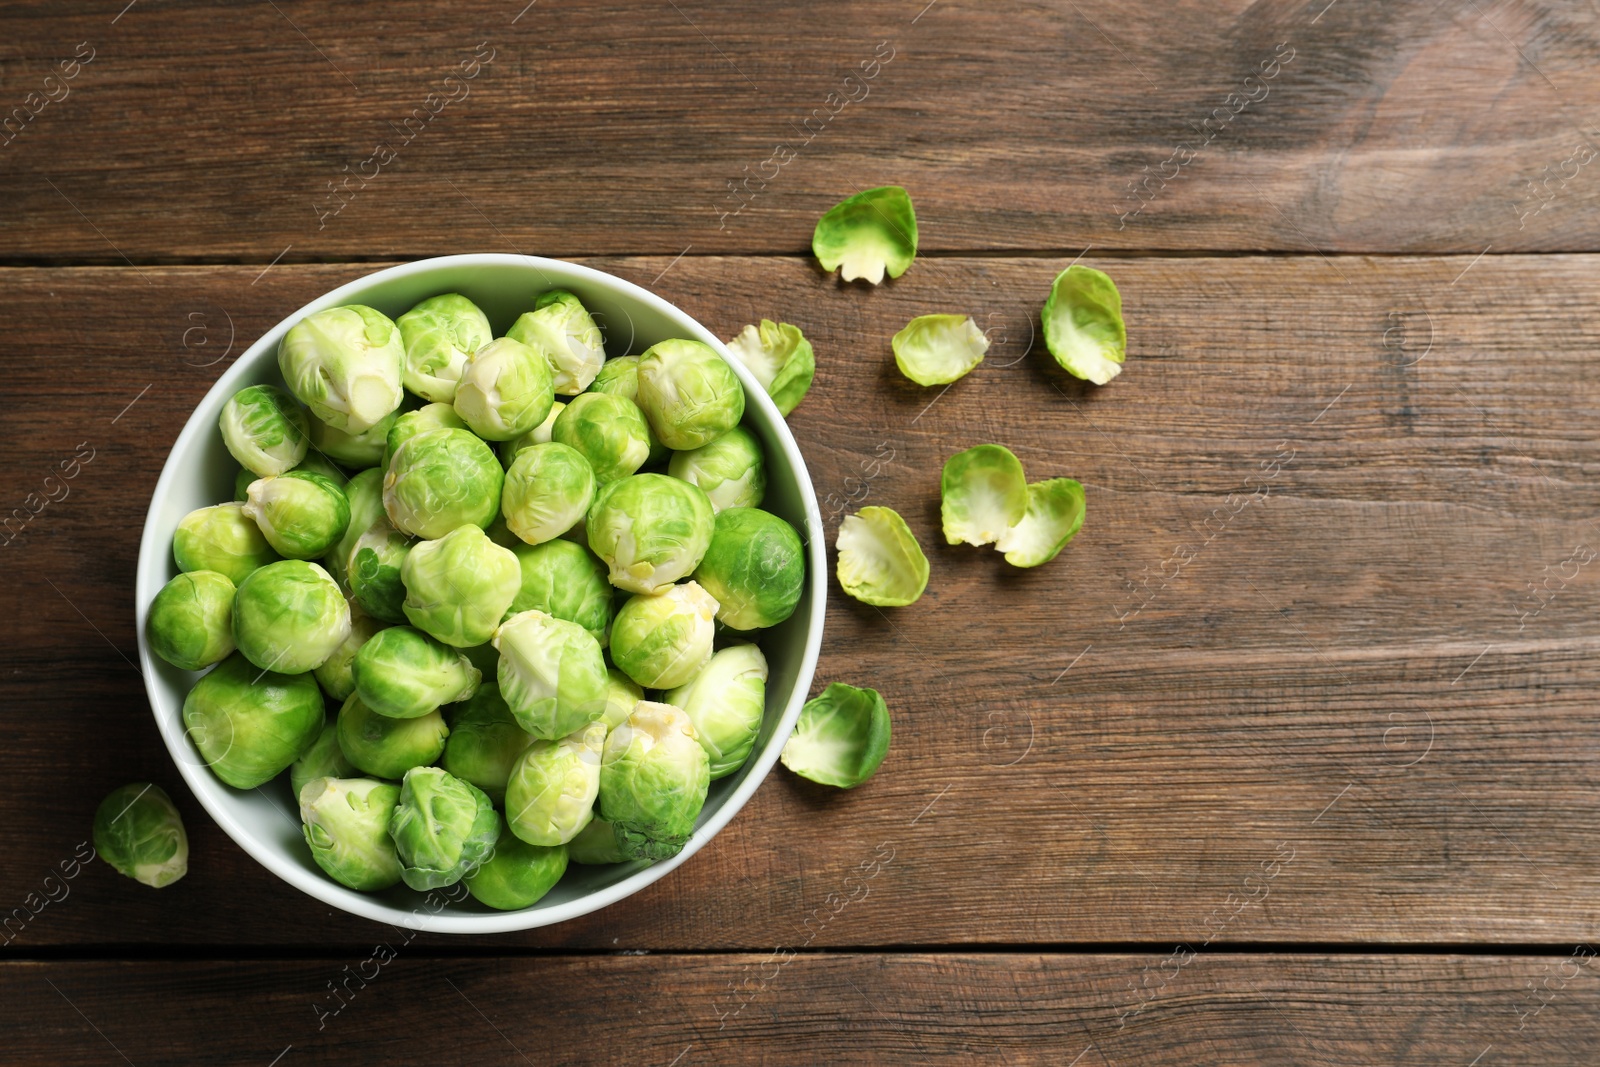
(199, 472)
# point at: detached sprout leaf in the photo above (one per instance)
(866, 234)
(1083, 326)
(1055, 515)
(938, 349)
(984, 493)
(781, 359)
(880, 562)
(840, 738)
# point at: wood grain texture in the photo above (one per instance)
(203, 134)
(1244, 1010)
(1338, 716)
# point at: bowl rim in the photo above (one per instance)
(210, 791)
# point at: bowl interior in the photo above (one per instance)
(199, 472)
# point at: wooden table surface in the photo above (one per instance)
(1288, 759)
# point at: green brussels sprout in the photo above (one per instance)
(607, 430)
(622, 694)
(364, 493)
(265, 430)
(732, 470)
(552, 673)
(289, 617)
(550, 794)
(653, 781)
(1055, 515)
(251, 724)
(408, 424)
(459, 587)
(725, 701)
(563, 330)
(516, 874)
(191, 620)
(344, 364)
(358, 451)
(651, 529)
(484, 742)
(866, 234)
(317, 463)
(840, 738)
(442, 479)
(346, 823)
(221, 538)
(755, 568)
(137, 829)
(880, 562)
(938, 349)
(596, 844)
(373, 571)
(539, 435)
(1083, 327)
(505, 390)
(620, 377)
(385, 747)
(324, 759)
(983, 493)
(662, 640)
(405, 674)
(336, 675)
(442, 828)
(688, 393)
(440, 335)
(302, 514)
(547, 490)
(566, 580)
(780, 358)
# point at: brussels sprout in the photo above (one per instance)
(608, 430)
(484, 742)
(440, 335)
(191, 620)
(358, 451)
(983, 493)
(539, 435)
(937, 349)
(317, 463)
(346, 823)
(387, 748)
(653, 780)
(404, 673)
(561, 329)
(459, 587)
(442, 828)
(622, 693)
(651, 529)
(880, 562)
(725, 701)
(335, 675)
(564, 579)
(596, 844)
(505, 390)
(516, 874)
(780, 358)
(552, 673)
(688, 393)
(265, 430)
(344, 364)
(732, 470)
(755, 567)
(324, 759)
(1083, 326)
(251, 724)
(364, 493)
(221, 538)
(550, 794)
(301, 514)
(1055, 515)
(840, 738)
(620, 377)
(408, 424)
(865, 234)
(442, 479)
(373, 571)
(289, 617)
(547, 490)
(663, 640)
(137, 829)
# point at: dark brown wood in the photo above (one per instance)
(193, 134)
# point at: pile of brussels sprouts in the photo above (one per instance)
(536, 617)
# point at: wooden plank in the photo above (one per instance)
(897, 1008)
(323, 133)
(1340, 718)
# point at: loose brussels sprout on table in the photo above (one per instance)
(780, 358)
(880, 561)
(1083, 327)
(840, 738)
(137, 829)
(867, 234)
(938, 349)
(1054, 517)
(983, 493)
